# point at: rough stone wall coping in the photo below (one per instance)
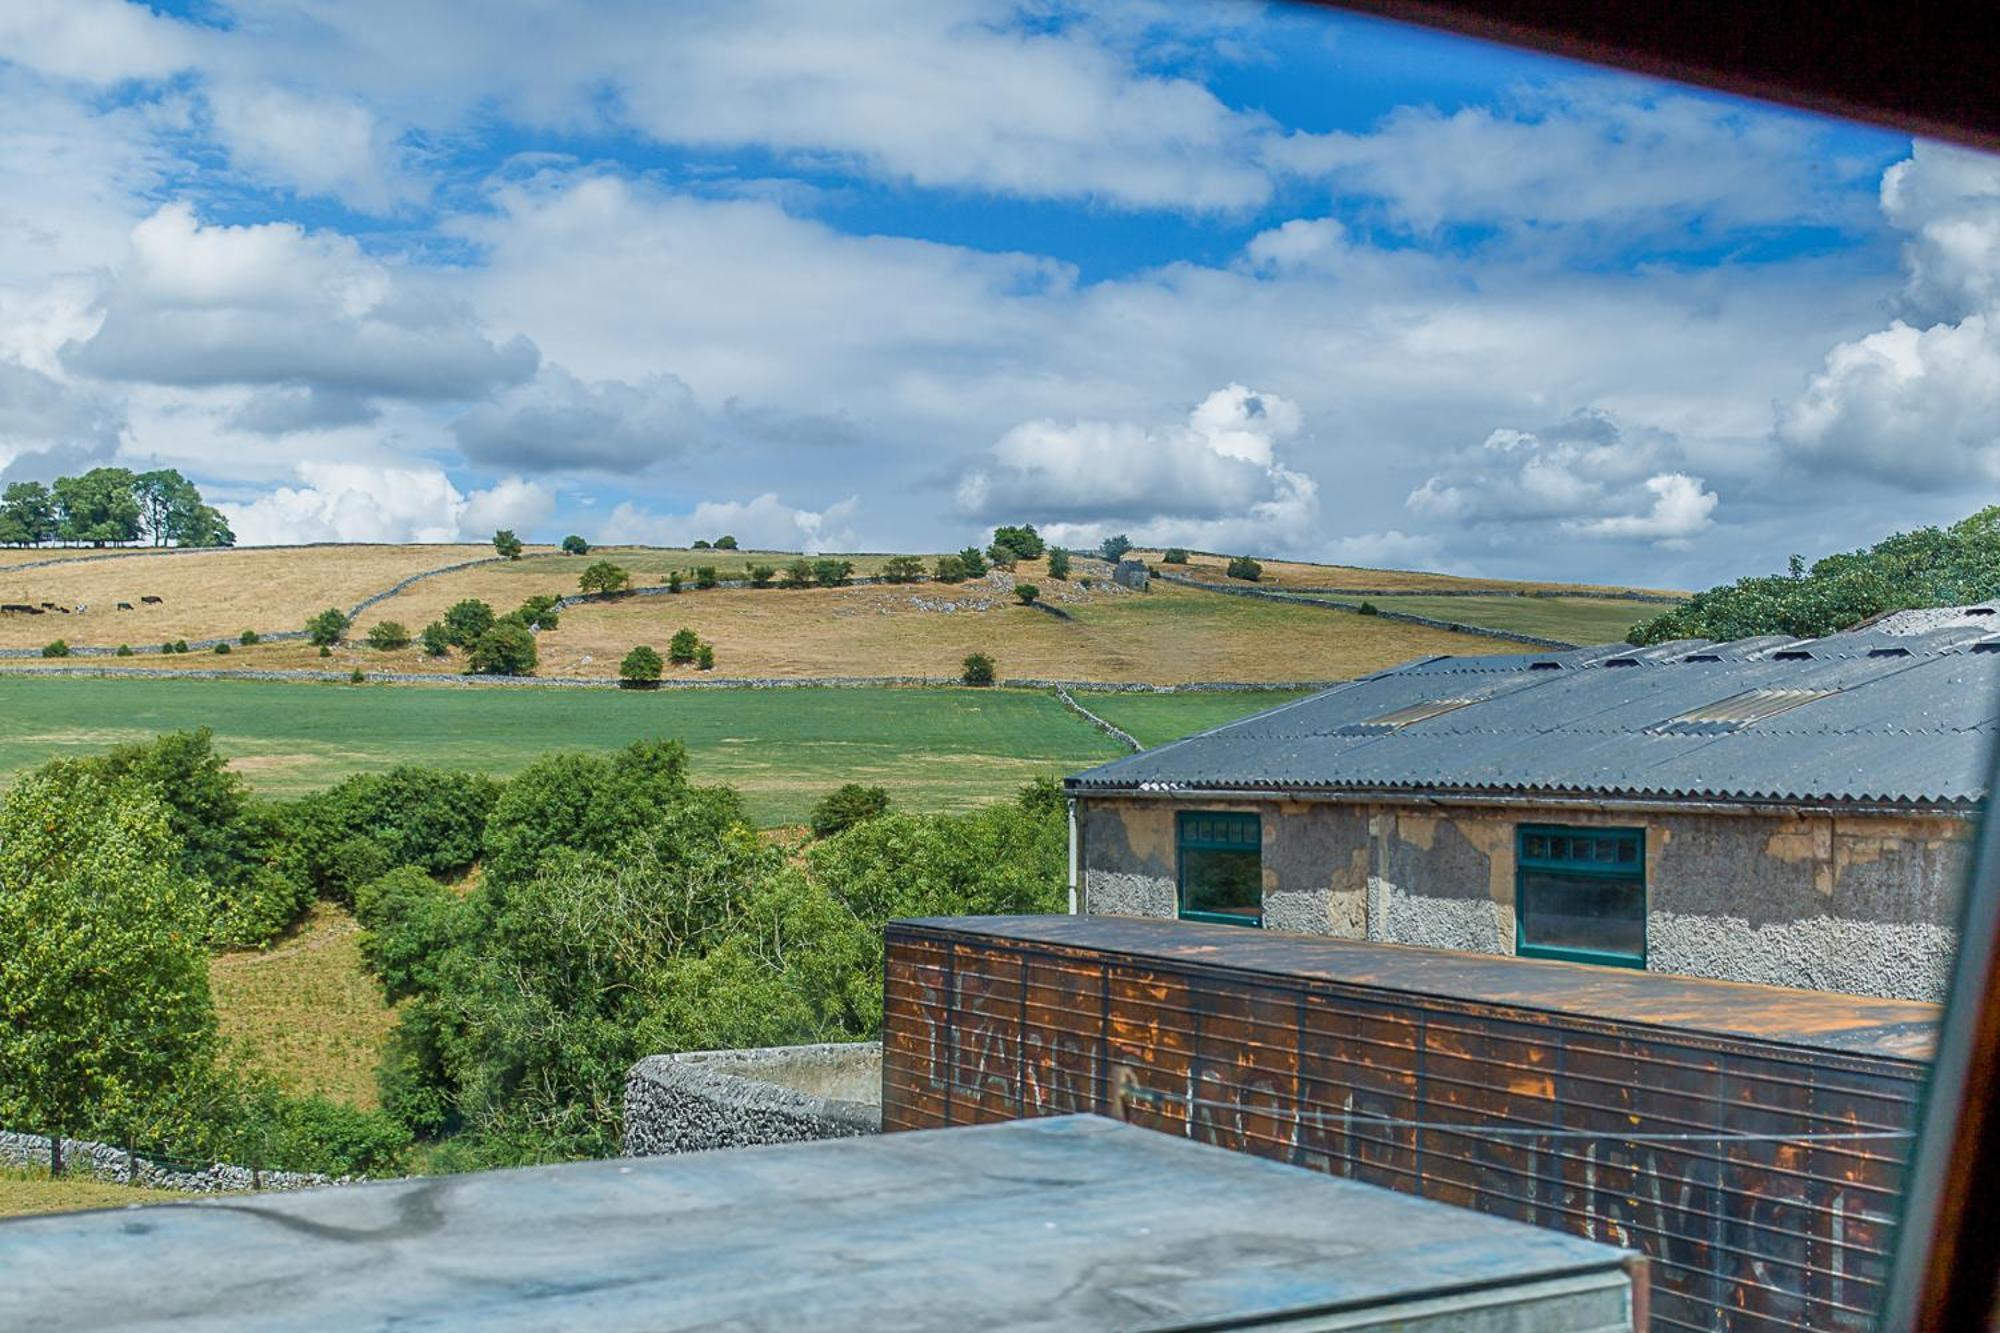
(699, 1100)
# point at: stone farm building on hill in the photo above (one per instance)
(1792, 812)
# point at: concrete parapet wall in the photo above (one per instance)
(736, 1099)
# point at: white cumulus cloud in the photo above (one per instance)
(355, 502)
(764, 523)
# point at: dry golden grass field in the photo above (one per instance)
(311, 1016)
(1168, 635)
(1295, 574)
(206, 594)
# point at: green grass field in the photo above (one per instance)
(1155, 719)
(1571, 619)
(938, 749)
(25, 1191)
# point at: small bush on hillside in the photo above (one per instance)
(950, 569)
(1243, 567)
(846, 806)
(674, 581)
(124, 650)
(761, 575)
(704, 657)
(1175, 555)
(604, 578)
(681, 649)
(436, 639)
(222, 649)
(180, 645)
(1058, 564)
(56, 648)
(978, 670)
(1114, 548)
(388, 635)
(1001, 557)
(974, 562)
(504, 650)
(324, 651)
(326, 628)
(829, 573)
(725, 543)
(540, 611)
(1368, 609)
(799, 574)
(705, 576)
(357, 677)
(249, 637)
(1027, 592)
(507, 544)
(575, 545)
(466, 621)
(702, 544)
(642, 666)
(902, 569)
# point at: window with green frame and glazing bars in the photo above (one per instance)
(1221, 857)
(1580, 894)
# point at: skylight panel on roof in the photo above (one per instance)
(1738, 711)
(1396, 719)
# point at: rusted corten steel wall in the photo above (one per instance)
(1750, 1139)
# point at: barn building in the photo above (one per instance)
(1790, 812)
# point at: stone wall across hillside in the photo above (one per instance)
(104, 1161)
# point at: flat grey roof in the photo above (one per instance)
(1072, 1223)
(1873, 718)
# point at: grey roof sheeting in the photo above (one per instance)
(1901, 719)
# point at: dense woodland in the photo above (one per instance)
(111, 506)
(1927, 567)
(541, 934)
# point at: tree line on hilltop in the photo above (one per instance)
(111, 506)
(1925, 567)
(538, 935)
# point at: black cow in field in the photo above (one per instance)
(20, 608)
(152, 601)
(124, 606)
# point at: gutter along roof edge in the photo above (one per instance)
(1540, 796)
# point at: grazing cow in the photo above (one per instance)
(21, 608)
(152, 601)
(50, 606)
(124, 606)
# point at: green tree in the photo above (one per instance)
(705, 576)
(978, 670)
(504, 650)
(56, 648)
(575, 545)
(681, 649)
(98, 508)
(1027, 592)
(326, 628)
(436, 639)
(28, 515)
(507, 544)
(249, 637)
(725, 543)
(1058, 564)
(950, 569)
(466, 622)
(1114, 548)
(704, 657)
(604, 578)
(642, 666)
(799, 574)
(388, 635)
(674, 582)
(1175, 555)
(104, 1001)
(761, 575)
(972, 562)
(540, 611)
(1023, 541)
(831, 573)
(845, 806)
(902, 569)
(702, 544)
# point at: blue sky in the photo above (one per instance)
(882, 275)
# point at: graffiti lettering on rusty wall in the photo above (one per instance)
(1688, 1151)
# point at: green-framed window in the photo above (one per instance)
(1221, 855)
(1580, 894)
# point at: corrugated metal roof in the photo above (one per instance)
(1880, 718)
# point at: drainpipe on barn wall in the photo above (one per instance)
(1071, 803)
